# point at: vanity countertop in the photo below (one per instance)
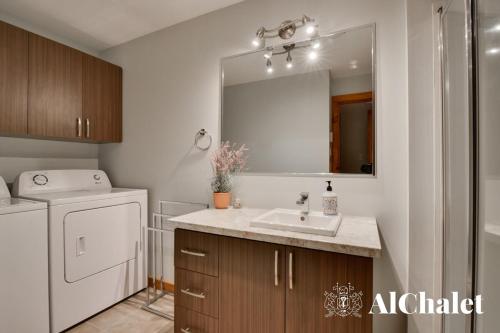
(356, 235)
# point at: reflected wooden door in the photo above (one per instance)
(335, 129)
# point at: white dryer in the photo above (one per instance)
(97, 240)
(24, 285)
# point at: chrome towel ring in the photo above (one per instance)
(200, 135)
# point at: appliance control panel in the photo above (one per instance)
(47, 181)
(4, 191)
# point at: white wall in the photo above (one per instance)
(351, 84)
(424, 123)
(284, 121)
(171, 90)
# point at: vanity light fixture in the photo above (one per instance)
(285, 30)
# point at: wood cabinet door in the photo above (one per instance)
(55, 89)
(13, 80)
(102, 100)
(312, 302)
(251, 286)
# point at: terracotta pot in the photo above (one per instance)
(222, 200)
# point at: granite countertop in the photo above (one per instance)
(356, 235)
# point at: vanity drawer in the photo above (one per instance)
(198, 292)
(197, 251)
(193, 322)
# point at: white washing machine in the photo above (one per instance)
(97, 240)
(24, 285)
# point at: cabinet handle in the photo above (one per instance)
(193, 253)
(79, 127)
(87, 128)
(276, 254)
(290, 271)
(193, 294)
(186, 330)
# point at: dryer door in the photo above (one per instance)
(101, 238)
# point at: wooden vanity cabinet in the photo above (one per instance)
(55, 89)
(252, 285)
(13, 80)
(265, 287)
(314, 273)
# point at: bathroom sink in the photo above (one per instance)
(290, 220)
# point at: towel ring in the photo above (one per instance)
(202, 134)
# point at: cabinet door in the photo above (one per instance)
(102, 100)
(55, 89)
(312, 303)
(251, 286)
(13, 80)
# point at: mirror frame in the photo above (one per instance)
(375, 111)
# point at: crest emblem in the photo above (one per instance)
(343, 301)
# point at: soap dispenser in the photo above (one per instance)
(329, 200)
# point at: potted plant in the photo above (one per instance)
(227, 161)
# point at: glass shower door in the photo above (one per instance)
(457, 160)
(488, 204)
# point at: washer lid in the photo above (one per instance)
(15, 205)
(61, 198)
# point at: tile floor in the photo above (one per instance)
(128, 317)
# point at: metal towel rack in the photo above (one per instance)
(202, 134)
(167, 210)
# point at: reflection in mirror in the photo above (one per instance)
(304, 107)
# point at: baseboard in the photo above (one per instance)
(169, 287)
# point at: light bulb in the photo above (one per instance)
(310, 29)
(269, 66)
(313, 55)
(289, 63)
(268, 54)
(494, 50)
(315, 44)
(257, 42)
(496, 28)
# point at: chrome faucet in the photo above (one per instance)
(303, 200)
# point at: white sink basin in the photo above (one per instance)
(290, 220)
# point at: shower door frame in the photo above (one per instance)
(471, 49)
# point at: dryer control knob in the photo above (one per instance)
(40, 180)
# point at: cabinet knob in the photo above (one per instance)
(186, 330)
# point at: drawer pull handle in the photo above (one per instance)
(186, 330)
(193, 253)
(193, 294)
(276, 282)
(290, 271)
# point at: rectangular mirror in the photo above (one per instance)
(309, 108)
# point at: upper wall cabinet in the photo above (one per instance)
(102, 100)
(49, 90)
(55, 89)
(13, 80)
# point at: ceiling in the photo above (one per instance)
(336, 54)
(100, 24)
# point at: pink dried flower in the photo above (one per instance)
(229, 159)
